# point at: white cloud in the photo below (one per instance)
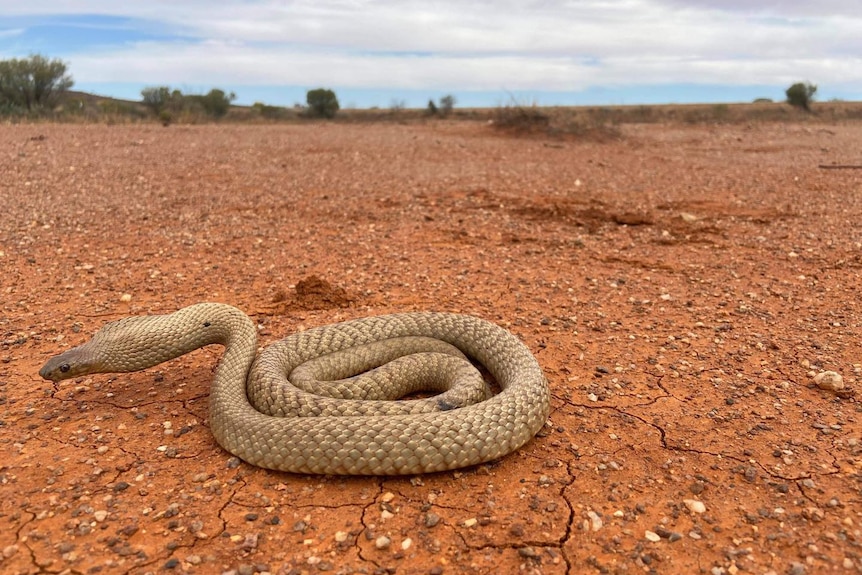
(539, 45)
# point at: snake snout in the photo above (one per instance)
(62, 366)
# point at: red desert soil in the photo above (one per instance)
(681, 288)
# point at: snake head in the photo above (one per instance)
(71, 363)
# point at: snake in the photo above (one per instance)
(259, 415)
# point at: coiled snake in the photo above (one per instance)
(259, 416)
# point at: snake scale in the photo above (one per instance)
(257, 414)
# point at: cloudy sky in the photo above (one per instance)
(376, 53)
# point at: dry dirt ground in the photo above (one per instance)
(680, 286)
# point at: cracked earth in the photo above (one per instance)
(680, 286)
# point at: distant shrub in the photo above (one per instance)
(158, 98)
(521, 119)
(432, 108)
(801, 95)
(267, 111)
(216, 103)
(447, 104)
(32, 83)
(763, 100)
(322, 103)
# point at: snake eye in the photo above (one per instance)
(64, 367)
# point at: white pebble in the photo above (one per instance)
(100, 515)
(405, 545)
(126, 297)
(595, 520)
(829, 380)
(652, 536)
(694, 505)
(382, 542)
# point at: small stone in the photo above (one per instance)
(100, 515)
(652, 536)
(172, 563)
(431, 519)
(193, 559)
(797, 568)
(387, 497)
(470, 522)
(694, 505)
(126, 297)
(249, 542)
(233, 462)
(382, 542)
(405, 545)
(829, 380)
(340, 536)
(595, 521)
(527, 552)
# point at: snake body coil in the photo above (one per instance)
(311, 434)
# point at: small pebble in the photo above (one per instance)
(694, 505)
(382, 542)
(652, 536)
(829, 380)
(431, 519)
(797, 568)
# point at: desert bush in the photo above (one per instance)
(159, 98)
(432, 108)
(268, 112)
(32, 83)
(447, 104)
(215, 103)
(322, 103)
(521, 119)
(801, 95)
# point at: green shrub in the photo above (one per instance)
(447, 104)
(32, 83)
(801, 95)
(269, 112)
(322, 103)
(432, 108)
(216, 103)
(159, 98)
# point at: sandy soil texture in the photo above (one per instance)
(681, 287)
